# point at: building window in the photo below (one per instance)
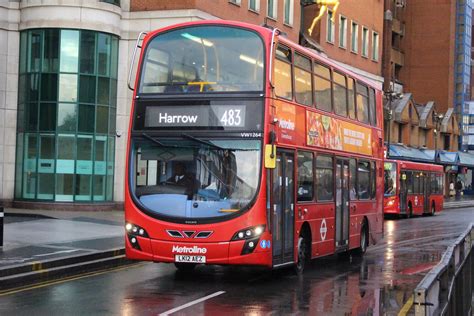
(329, 28)
(236, 2)
(272, 9)
(400, 133)
(365, 42)
(375, 46)
(288, 14)
(68, 94)
(254, 5)
(342, 31)
(354, 37)
(447, 142)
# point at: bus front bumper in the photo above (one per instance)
(229, 252)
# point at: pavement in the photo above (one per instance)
(42, 245)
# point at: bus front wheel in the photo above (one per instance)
(302, 252)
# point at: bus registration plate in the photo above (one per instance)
(193, 259)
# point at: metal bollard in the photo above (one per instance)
(2, 215)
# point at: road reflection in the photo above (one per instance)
(379, 283)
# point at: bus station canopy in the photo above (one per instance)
(466, 159)
(403, 152)
(448, 158)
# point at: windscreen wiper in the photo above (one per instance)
(204, 142)
(156, 141)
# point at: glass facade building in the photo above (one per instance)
(67, 97)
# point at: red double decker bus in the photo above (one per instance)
(247, 149)
(412, 188)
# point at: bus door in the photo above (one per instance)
(403, 193)
(342, 203)
(283, 208)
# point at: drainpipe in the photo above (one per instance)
(387, 46)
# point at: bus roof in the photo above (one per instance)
(410, 165)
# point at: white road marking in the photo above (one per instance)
(174, 310)
(56, 252)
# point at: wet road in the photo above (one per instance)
(380, 283)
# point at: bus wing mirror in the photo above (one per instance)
(270, 157)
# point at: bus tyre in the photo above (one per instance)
(185, 267)
(302, 252)
(364, 241)
(410, 211)
(433, 210)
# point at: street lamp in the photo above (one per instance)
(438, 117)
(390, 95)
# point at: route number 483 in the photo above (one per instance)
(231, 118)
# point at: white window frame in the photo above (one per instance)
(365, 42)
(354, 37)
(291, 13)
(274, 14)
(330, 36)
(257, 6)
(343, 34)
(375, 46)
(236, 2)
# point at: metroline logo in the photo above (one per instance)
(184, 249)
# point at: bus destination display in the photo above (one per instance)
(226, 116)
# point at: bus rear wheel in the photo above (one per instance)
(364, 241)
(433, 210)
(185, 267)
(409, 211)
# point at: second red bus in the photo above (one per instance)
(412, 188)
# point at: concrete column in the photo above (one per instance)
(9, 58)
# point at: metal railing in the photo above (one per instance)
(447, 288)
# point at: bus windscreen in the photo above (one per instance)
(203, 59)
(195, 177)
(390, 178)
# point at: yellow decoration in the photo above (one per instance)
(324, 7)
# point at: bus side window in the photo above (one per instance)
(340, 94)
(303, 87)
(440, 183)
(283, 76)
(351, 98)
(362, 103)
(373, 178)
(422, 183)
(372, 107)
(363, 180)
(305, 176)
(322, 87)
(409, 182)
(324, 178)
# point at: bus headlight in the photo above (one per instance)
(390, 203)
(249, 233)
(250, 246)
(135, 230)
